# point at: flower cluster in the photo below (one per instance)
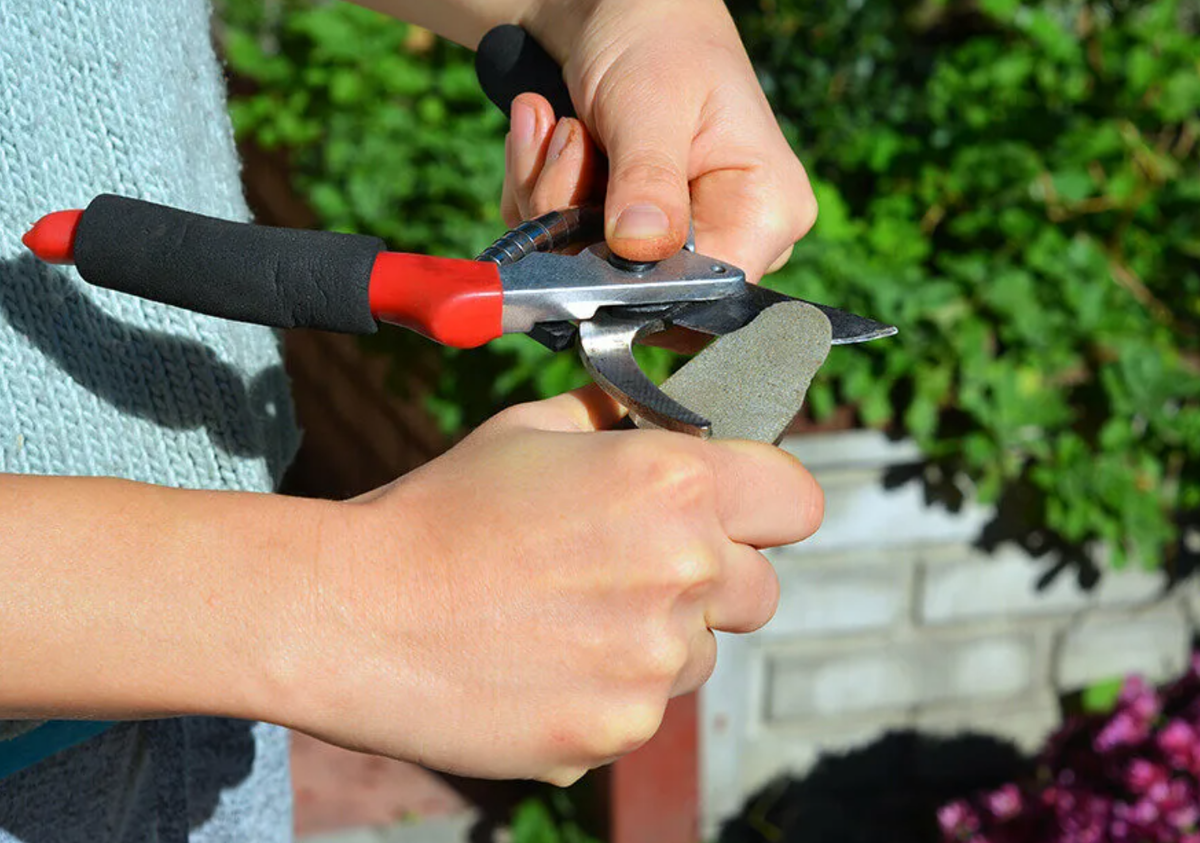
(1130, 776)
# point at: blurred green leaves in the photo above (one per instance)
(1014, 183)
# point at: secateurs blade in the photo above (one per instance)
(524, 283)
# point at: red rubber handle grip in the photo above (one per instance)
(452, 301)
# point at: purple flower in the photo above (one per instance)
(1126, 778)
(1124, 729)
(1142, 775)
(1178, 743)
(1178, 795)
(1004, 803)
(958, 821)
(1144, 812)
(1139, 698)
(1184, 818)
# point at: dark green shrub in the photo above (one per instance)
(1014, 184)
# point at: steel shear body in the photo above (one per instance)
(524, 283)
(552, 278)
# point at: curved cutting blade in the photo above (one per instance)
(606, 347)
(726, 315)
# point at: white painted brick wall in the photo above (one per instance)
(1155, 643)
(799, 749)
(860, 512)
(960, 583)
(840, 593)
(833, 683)
(1026, 724)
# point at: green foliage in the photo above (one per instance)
(387, 130)
(1012, 182)
(1101, 697)
(1015, 185)
(553, 817)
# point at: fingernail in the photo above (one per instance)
(523, 123)
(559, 142)
(642, 222)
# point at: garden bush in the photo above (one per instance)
(1014, 184)
(1130, 775)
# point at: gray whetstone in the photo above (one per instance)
(751, 383)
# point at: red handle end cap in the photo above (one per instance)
(52, 238)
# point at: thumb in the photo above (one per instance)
(647, 210)
(581, 410)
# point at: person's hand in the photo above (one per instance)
(666, 90)
(525, 605)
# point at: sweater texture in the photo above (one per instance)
(125, 97)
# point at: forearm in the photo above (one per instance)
(121, 600)
(466, 21)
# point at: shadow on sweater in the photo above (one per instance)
(162, 776)
(172, 381)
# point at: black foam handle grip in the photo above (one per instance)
(509, 62)
(282, 277)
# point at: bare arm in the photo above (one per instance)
(120, 600)
(462, 21)
(521, 607)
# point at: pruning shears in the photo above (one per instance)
(552, 278)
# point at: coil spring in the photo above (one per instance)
(548, 233)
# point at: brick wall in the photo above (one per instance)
(891, 617)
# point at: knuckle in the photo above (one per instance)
(665, 659)
(699, 669)
(677, 477)
(564, 776)
(628, 727)
(692, 569)
(649, 167)
(805, 218)
(805, 210)
(706, 667)
(793, 215)
(767, 601)
(516, 415)
(790, 223)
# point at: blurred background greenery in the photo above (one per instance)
(1014, 183)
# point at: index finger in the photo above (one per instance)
(765, 496)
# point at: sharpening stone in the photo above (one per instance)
(751, 383)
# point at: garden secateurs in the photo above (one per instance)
(552, 278)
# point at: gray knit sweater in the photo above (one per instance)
(122, 96)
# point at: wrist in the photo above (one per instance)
(290, 567)
(559, 25)
(127, 601)
(344, 641)
(586, 36)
